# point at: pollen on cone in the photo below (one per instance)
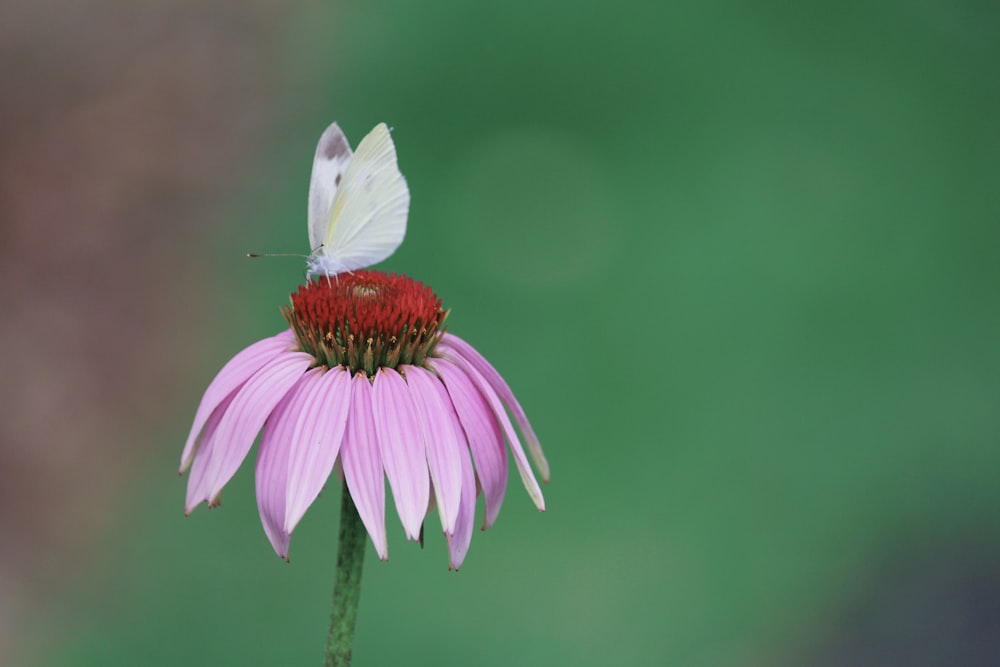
(366, 320)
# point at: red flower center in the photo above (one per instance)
(366, 320)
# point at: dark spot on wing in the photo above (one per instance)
(336, 147)
(336, 181)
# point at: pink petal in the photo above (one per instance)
(232, 376)
(362, 464)
(483, 434)
(527, 477)
(402, 449)
(459, 347)
(458, 544)
(246, 415)
(271, 475)
(316, 442)
(443, 440)
(197, 486)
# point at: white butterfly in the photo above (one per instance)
(358, 203)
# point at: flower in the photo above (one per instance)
(365, 380)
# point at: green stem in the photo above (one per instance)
(347, 584)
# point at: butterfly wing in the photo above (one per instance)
(333, 155)
(368, 216)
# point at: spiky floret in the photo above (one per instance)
(366, 320)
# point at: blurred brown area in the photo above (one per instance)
(121, 131)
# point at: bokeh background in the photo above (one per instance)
(739, 263)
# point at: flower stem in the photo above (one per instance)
(347, 584)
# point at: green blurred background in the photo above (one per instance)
(739, 264)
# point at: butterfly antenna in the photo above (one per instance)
(254, 255)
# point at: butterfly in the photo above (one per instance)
(358, 202)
